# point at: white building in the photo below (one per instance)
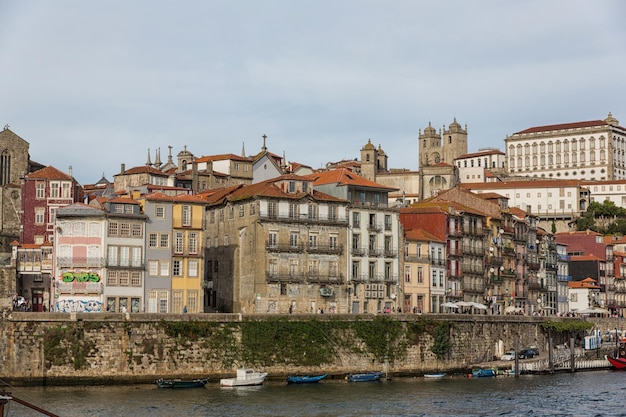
(591, 150)
(473, 166)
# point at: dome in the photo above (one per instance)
(369, 146)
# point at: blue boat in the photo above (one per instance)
(305, 379)
(483, 373)
(369, 376)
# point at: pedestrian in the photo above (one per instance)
(185, 310)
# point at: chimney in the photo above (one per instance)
(69, 170)
(123, 169)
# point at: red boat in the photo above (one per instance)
(618, 360)
(618, 363)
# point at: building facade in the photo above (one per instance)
(591, 150)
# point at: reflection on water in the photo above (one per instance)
(598, 393)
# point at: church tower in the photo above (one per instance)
(429, 147)
(454, 142)
(369, 161)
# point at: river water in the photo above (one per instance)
(596, 393)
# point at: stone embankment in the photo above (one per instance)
(44, 348)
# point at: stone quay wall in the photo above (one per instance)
(47, 348)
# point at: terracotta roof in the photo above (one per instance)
(421, 235)
(563, 126)
(48, 173)
(157, 197)
(585, 283)
(122, 200)
(441, 164)
(223, 157)
(143, 169)
(481, 153)
(343, 176)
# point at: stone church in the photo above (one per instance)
(14, 164)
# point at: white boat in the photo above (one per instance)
(245, 377)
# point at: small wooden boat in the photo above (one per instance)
(245, 377)
(181, 383)
(365, 377)
(305, 379)
(434, 376)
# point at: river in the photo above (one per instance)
(596, 393)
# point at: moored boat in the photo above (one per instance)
(181, 383)
(305, 379)
(368, 376)
(483, 373)
(245, 377)
(618, 360)
(434, 376)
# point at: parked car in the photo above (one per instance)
(508, 356)
(534, 349)
(526, 354)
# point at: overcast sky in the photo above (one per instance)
(94, 84)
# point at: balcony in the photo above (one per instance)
(416, 259)
(327, 249)
(79, 287)
(303, 218)
(357, 251)
(135, 264)
(374, 227)
(455, 252)
(276, 247)
(390, 253)
(563, 278)
(330, 278)
(80, 262)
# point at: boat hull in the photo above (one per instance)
(305, 379)
(618, 363)
(234, 382)
(373, 376)
(174, 383)
(483, 373)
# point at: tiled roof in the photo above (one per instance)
(481, 153)
(343, 176)
(563, 126)
(223, 157)
(122, 200)
(421, 235)
(48, 173)
(143, 169)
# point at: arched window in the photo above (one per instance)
(5, 167)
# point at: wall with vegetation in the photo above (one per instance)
(125, 348)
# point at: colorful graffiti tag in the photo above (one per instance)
(80, 277)
(78, 306)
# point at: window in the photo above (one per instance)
(192, 268)
(242, 210)
(356, 219)
(135, 279)
(355, 270)
(332, 213)
(187, 216)
(293, 240)
(40, 215)
(112, 229)
(332, 242)
(137, 230)
(293, 211)
(312, 211)
(193, 243)
(165, 240)
(65, 190)
(40, 190)
(272, 239)
(407, 274)
(313, 241)
(153, 268)
(137, 258)
(387, 222)
(420, 275)
(159, 212)
(152, 240)
(112, 256)
(252, 209)
(292, 186)
(124, 229)
(164, 267)
(178, 242)
(54, 189)
(176, 268)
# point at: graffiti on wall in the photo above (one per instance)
(78, 306)
(80, 277)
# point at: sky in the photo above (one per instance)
(96, 84)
